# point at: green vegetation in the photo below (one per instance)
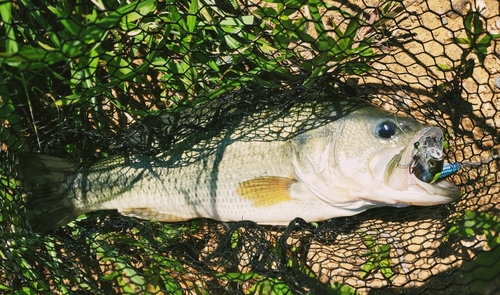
(485, 267)
(477, 41)
(377, 258)
(197, 49)
(473, 223)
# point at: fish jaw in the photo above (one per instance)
(399, 172)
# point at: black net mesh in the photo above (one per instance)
(94, 79)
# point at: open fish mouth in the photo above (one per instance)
(428, 167)
(421, 166)
(427, 164)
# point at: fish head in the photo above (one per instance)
(374, 155)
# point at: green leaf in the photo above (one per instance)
(385, 249)
(485, 41)
(69, 23)
(444, 67)
(96, 31)
(325, 44)
(306, 37)
(111, 276)
(72, 49)
(174, 15)
(386, 272)
(134, 277)
(172, 286)
(356, 68)
(366, 269)
(238, 277)
(317, 20)
(350, 32)
(291, 3)
(134, 11)
(461, 40)
(238, 21)
(365, 51)
(232, 42)
(270, 286)
(11, 45)
(26, 291)
(192, 18)
(5, 287)
(470, 214)
(295, 4)
(468, 22)
(267, 12)
(478, 24)
(6, 107)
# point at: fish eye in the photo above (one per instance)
(386, 129)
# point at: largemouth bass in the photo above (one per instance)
(314, 160)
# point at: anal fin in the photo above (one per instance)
(266, 191)
(151, 214)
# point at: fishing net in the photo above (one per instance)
(86, 80)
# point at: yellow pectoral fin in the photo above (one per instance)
(266, 191)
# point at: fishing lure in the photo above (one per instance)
(432, 170)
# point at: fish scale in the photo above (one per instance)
(302, 161)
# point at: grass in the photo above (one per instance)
(196, 49)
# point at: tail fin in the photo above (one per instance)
(45, 180)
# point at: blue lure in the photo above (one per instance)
(448, 169)
(431, 171)
(451, 168)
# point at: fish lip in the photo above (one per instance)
(446, 189)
